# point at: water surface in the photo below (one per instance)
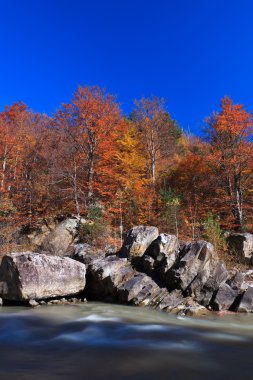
(102, 341)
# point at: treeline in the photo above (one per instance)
(90, 160)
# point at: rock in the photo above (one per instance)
(193, 309)
(189, 307)
(33, 303)
(247, 280)
(54, 302)
(241, 245)
(236, 281)
(241, 281)
(33, 235)
(39, 234)
(158, 258)
(192, 268)
(113, 279)
(163, 267)
(137, 241)
(138, 290)
(218, 276)
(225, 298)
(105, 276)
(110, 250)
(164, 245)
(34, 276)
(85, 253)
(145, 264)
(246, 302)
(171, 301)
(58, 241)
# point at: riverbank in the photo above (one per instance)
(151, 269)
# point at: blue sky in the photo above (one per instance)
(191, 52)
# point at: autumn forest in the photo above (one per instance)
(92, 161)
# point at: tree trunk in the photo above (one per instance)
(4, 169)
(238, 202)
(152, 155)
(91, 157)
(76, 191)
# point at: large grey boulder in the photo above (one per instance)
(246, 280)
(241, 245)
(241, 281)
(223, 291)
(85, 253)
(33, 276)
(225, 298)
(158, 257)
(246, 302)
(105, 276)
(113, 279)
(163, 246)
(218, 276)
(139, 290)
(138, 239)
(60, 238)
(193, 267)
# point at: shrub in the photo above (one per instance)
(93, 232)
(213, 233)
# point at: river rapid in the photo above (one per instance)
(103, 341)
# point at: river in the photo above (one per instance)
(102, 341)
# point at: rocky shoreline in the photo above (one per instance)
(151, 269)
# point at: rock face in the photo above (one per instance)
(225, 298)
(163, 246)
(105, 276)
(193, 268)
(85, 253)
(33, 276)
(219, 275)
(158, 257)
(112, 278)
(246, 303)
(138, 240)
(241, 245)
(150, 270)
(58, 241)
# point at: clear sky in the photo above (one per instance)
(191, 52)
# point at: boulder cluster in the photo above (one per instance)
(150, 269)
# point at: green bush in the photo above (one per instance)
(92, 232)
(95, 211)
(213, 233)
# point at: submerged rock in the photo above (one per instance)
(32, 276)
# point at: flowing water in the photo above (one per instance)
(102, 341)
